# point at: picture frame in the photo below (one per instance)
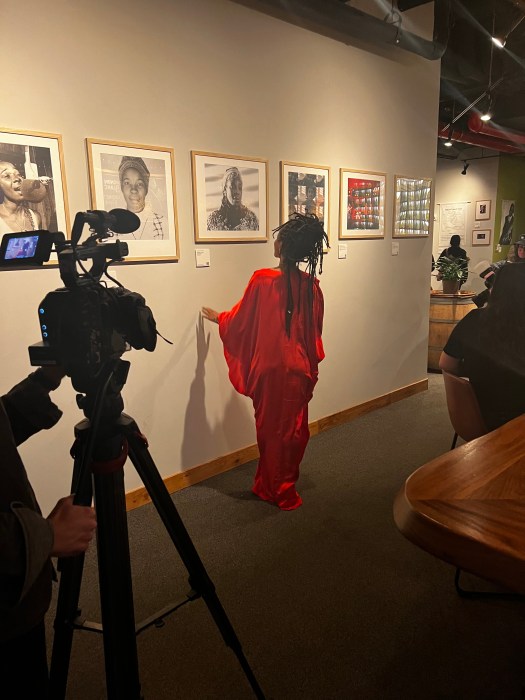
(362, 204)
(507, 222)
(38, 159)
(230, 198)
(305, 188)
(141, 179)
(483, 209)
(412, 206)
(482, 236)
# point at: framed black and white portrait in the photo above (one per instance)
(140, 179)
(230, 197)
(33, 192)
(483, 209)
(481, 236)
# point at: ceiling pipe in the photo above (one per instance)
(478, 127)
(478, 140)
(339, 21)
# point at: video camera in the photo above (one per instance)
(86, 323)
(487, 272)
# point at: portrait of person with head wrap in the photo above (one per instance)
(134, 179)
(232, 215)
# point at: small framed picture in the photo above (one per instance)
(230, 197)
(362, 204)
(411, 207)
(483, 210)
(305, 189)
(140, 179)
(481, 236)
(33, 192)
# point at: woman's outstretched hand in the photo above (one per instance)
(210, 314)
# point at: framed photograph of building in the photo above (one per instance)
(481, 236)
(230, 197)
(483, 210)
(362, 204)
(305, 188)
(140, 179)
(33, 192)
(412, 200)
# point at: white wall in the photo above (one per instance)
(480, 182)
(213, 75)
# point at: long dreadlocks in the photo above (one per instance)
(302, 238)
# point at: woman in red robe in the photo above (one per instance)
(272, 345)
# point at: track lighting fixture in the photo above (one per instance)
(466, 166)
(500, 39)
(487, 115)
(448, 142)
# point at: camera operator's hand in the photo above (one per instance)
(54, 373)
(73, 527)
(210, 314)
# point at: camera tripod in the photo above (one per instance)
(101, 448)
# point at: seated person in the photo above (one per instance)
(488, 347)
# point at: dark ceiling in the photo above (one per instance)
(473, 66)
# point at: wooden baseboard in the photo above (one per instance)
(139, 497)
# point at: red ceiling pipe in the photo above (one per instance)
(477, 126)
(478, 140)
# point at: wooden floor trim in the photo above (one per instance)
(139, 497)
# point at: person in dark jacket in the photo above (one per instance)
(455, 251)
(28, 540)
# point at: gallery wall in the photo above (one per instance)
(214, 76)
(479, 184)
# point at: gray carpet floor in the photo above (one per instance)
(329, 601)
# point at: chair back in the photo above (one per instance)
(463, 408)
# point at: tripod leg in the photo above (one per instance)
(198, 576)
(71, 570)
(116, 593)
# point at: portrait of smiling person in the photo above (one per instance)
(134, 182)
(140, 179)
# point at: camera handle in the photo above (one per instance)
(118, 627)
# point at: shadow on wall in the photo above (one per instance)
(201, 441)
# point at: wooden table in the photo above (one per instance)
(467, 507)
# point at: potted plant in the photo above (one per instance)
(452, 271)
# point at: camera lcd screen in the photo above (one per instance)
(27, 248)
(21, 247)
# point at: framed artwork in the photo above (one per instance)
(33, 192)
(411, 207)
(140, 179)
(305, 189)
(483, 209)
(230, 197)
(481, 236)
(507, 222)
(362, 204)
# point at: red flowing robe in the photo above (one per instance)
(277, 372)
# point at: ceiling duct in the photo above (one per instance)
(479, 127)
(337, 20)
(480, 140)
